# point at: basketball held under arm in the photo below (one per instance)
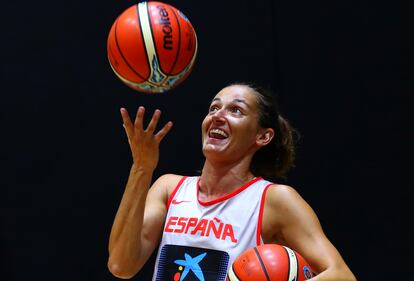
(293, 222)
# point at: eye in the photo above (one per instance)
(235, 109)
(213, 108)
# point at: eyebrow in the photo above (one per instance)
(235, 100)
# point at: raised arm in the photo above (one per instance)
(289, 220)
(139, 220)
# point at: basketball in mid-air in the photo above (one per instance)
(152, 47)
(269, 262)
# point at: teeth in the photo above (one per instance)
(218, 131)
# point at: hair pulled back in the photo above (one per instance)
(277, 157)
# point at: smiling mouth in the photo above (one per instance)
(217, 134)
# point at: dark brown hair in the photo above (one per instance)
(276, 158)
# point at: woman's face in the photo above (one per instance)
(230, 129)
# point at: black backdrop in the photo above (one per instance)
(343, 76)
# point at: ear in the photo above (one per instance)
(265, 136)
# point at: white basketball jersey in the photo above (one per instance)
(201, 239)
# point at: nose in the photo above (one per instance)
(218, 116)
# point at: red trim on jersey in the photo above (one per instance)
(259, 223)
(225, 197)
(175, 191)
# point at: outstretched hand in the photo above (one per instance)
(144, 143)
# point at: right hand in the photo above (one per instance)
(144, 144)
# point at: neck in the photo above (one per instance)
(218, 179)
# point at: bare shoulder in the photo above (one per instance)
(160, 191)
(282, 195)
(290, 221)
(166, 183)
(286, 201)
(283, 205)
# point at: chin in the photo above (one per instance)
(208, 150)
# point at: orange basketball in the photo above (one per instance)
(152, 47)
(269, 262)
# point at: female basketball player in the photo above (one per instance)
(201, 224)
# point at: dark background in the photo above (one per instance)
(344, 78)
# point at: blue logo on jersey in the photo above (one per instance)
(191, 264)
(185, 263)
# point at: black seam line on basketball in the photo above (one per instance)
(261, 263)
(122, 55)
(143, 40)
(179, 44)
(111, 52)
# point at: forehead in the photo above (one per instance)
(238, 93)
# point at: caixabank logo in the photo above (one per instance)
(182, 263)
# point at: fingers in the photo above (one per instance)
(138, 123)
(125, 116)
(127, 120)
(139, 119)
(154, 121)
(164, 131)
